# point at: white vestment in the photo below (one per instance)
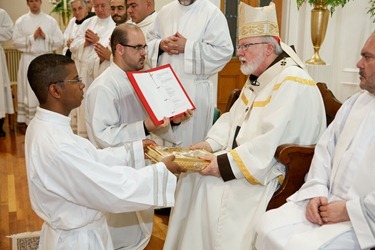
(211, 213)
(208, 48)
(88, 62)
(343, 168)
(70, 32)
(114, 116)
(6, 101)
(23, 40)
(71, 183)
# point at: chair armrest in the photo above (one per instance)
(297, 160)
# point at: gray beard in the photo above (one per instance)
(252, 66)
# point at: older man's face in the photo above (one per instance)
(79, 10)
(251, 54)
(102, 8)
(366, 66)
(186, 2)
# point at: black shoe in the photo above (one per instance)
(163, 211)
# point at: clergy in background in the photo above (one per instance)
(35, 33)
(97, 29)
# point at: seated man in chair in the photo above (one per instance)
(334, 209)
(280, 103)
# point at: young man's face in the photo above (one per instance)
(133, 58)
(34, 6)
(118, 11)
(71, 89)
(138, 10)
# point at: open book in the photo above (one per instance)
(186, 158)
(161, 92)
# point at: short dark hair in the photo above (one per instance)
(120, 35)
(45, 70)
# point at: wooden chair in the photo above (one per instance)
(296, 158)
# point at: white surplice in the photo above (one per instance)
(211, 213)
(114, 116)
(88, 62)
(23, 40)
(71, 183)
(6, 100)
(343, 168)
(208, 48)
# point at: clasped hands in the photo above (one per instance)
(39, 33)
(90, 38)
(173, 45)
(320, 211)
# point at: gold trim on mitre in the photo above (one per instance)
(259, 21)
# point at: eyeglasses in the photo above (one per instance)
(78, 79)
(244, 47)
(138, 47)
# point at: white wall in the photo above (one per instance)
(348, 29)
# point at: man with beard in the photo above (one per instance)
(80, 14)
(94, 30)
(193, 36)
(218, 207)
(118, 11)
(115, 116)
(334, 209)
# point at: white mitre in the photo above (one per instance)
(262, 21)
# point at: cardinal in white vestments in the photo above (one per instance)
(218, 207)
(96, 29)
(193, 37)
(335, 208)
(72, 183)
(35, 33)
(6, 100)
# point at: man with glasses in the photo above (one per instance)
(72, 183)
(193, 36)
(280, 103)
(97, 29)
(115, 116)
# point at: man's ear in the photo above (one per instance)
(119, 49)
(54, 90)
(270, 49)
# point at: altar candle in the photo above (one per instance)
(65, 7)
